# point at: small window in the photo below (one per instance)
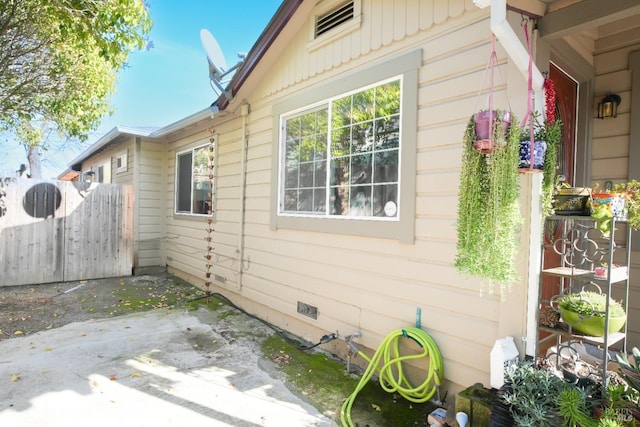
(342, 158)
(194, 181)
(121, 162)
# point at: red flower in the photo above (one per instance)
(549, 100)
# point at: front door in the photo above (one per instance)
(566, 103)
(566, 97)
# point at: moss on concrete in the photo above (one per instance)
(325, 383)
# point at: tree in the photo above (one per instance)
(59, 61)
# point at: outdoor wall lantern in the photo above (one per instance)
(88, 176)
(608, 107)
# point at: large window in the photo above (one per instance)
(341, 158)
(194, 181)
(345, 161)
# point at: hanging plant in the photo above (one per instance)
(488, 212)
(486, 123)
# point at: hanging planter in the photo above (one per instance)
(488, 211)
(539, 151)
(488, 223)
(491, 127)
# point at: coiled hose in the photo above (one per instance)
(391, 376)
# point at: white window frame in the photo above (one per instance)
(391, 207)
(122, 159)
(406, 65)
(210, 173)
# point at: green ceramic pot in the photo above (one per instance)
(592, 326)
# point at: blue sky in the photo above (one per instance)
(170, 81)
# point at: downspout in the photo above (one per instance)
(244, 113)
(136, 201)
(519, 55)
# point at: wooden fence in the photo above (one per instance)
(56, 231)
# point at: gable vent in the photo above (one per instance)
(334, 18)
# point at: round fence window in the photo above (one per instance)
(42, 200)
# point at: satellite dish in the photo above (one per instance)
(217, 65)
(214, 54)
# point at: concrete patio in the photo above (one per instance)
(156, 368)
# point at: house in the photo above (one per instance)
(303, 235)
(137, 156)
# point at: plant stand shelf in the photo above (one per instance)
(573, 251)
(563, 330)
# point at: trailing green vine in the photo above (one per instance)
(488, 211)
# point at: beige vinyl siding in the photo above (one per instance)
(128, 176)
(185, 234)
(107, 157)
(386, 26)
(373, 285)
(610, 159)
(150, 162)
(145, 171)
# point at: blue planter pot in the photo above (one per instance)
(540, 148)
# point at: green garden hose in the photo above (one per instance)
(391, 377)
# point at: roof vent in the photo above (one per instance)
(334, 18)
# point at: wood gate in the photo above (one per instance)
(56, 231)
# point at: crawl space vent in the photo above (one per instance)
(334, 18)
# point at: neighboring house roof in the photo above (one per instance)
(147, 132)
(69, 175)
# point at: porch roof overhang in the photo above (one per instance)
(585, 15)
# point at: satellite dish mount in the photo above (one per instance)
(217, 65)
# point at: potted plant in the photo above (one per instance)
(546, 137)
(537, 395)
(531, 394)
(539, 151)
(630, 396)
(488, 212)
(585, 312)
(630, 193)
(609, 201)
(568, 200)
(621, 201)
(491, 128)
